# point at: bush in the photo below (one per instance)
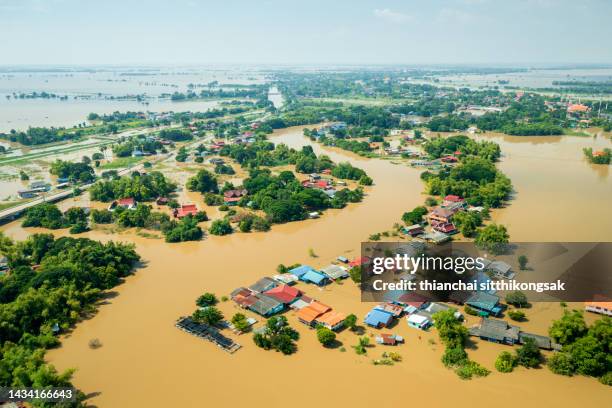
(366, 181)
(516, 315)
(470, 310)
(213, 199)
(101, 216)
(471, 369)
(606, 379)
(220, 227)
(207, 299)
(79, 228)
(505, 362)
(455, 356)
(561, 363)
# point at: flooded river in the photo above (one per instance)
(145, 361)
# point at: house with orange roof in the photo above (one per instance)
(332, 320)
(577, 108)
(308, 315)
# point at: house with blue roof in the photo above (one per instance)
(315, 277)
(485, 303)
(378, 318)
(301, 270)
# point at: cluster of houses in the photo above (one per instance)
(130, 203)
(417, 310)
(331, 128)
(317, 181)
(269, 296)
(440, 218)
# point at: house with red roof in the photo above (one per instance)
(284, 293)
(127, 203)
(185, 210)
(364, 260)
(445, 227)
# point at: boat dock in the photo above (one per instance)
(204, 331)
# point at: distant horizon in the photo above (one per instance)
(317, 32)
(524, 65)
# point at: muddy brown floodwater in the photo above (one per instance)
(146, 362)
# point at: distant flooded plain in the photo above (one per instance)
(145, 361)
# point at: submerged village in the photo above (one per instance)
(222, 244)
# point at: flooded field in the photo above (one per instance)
(532, 78)
(145, 361)
(558, 192)
(98, 90)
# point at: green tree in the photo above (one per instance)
(569, 328)
(522, 260)
(493, 238)
(517, 299)
(325, 336)
(209, 315)
(505, 362)
(204, 182)
(450, 329)
(362, 344)
(589, 356)
(529, 355)
(207, 299)
(350, 322)
(220, 227)
(240, 322)
(355, 274)
(561, 363)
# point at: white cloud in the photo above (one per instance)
(392, 16)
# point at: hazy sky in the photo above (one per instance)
(307, 31)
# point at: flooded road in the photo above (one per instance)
(145, 361)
